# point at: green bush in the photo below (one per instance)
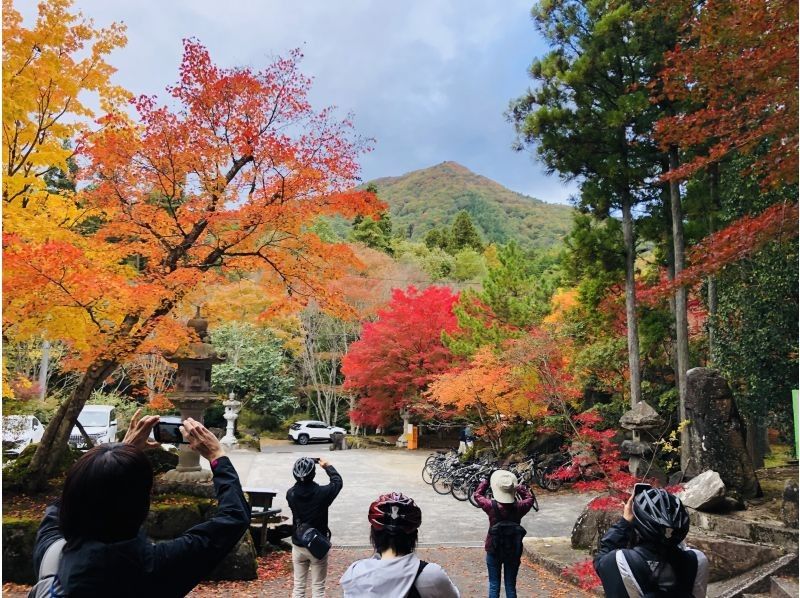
(253, 420)
(213, 417)
(293, 419)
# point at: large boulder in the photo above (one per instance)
(716, 433)
(705, 492)
(591, 526)
(641, 417)
(239, 564)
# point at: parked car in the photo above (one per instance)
(19, 431)
(305, 431)
(100, 423)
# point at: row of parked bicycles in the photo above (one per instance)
(445, 472)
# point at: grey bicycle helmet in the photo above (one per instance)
(304, 469)
(660, 517)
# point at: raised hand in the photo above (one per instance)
(201, 439)
(138, 433)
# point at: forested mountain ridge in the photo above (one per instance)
(424, 199)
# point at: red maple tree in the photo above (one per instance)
(400, 353)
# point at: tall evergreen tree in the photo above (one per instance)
(463, 234)
(590, 116)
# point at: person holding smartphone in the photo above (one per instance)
(309, 503)
(92, 538)
(643, 554)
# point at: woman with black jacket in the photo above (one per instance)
(643, 553)
(105, 500)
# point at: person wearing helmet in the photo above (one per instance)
(504, 509)
(654, 523)
(395, 570)
(309, 503)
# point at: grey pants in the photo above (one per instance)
(302, 563)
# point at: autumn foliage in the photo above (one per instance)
(225, 176)
(400, 353)
(735, 67)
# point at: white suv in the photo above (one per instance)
(307, 430)
(19, 431)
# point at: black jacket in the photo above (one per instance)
(644, 571)
(137, 567)
(309, 502)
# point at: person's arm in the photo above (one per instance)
(480, 495)
(181, 563)
(335, 485)
(48, 533)
(605, 561)
(525, 502)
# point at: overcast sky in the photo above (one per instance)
(428, 79)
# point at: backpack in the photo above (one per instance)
(48, 584)
(506, 537)
(648, 577)
(414, 592)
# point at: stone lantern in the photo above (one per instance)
(232, 407)
(192, 395)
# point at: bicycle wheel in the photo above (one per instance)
(460, 488)
(427, 473)
(442, 483)
(550, 483)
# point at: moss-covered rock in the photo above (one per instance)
(239, 564)
(15, 474)
(171, 516)
(19, 537)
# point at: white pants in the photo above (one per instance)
(302, 562)
(463, 447)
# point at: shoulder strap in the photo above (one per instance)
(414, 592)
(496, 510)
(51, 559)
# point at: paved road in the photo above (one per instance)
(368, 473)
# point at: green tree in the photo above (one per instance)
(255, 369)
(468, 264)
(590, 117)
(463, 234)
(374, 233)
(514, 296)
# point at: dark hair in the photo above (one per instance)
(401, 543)
(106, 495)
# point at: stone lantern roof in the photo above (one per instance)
(198, 352)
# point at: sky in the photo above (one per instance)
(429, 80)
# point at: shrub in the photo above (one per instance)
(14, 473)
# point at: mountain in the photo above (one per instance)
(431, 197)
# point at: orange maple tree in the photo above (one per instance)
(226, 176)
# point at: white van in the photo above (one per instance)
(99, 422)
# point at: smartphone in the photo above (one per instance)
(168, 433)
(639, 488)
(315, 459)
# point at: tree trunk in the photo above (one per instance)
(630, 300)
(56, 436)
(711, 282)
(681, 314)
(756, 440)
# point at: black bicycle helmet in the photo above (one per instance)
(304, 469)
(395, 512)
(660, 517)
